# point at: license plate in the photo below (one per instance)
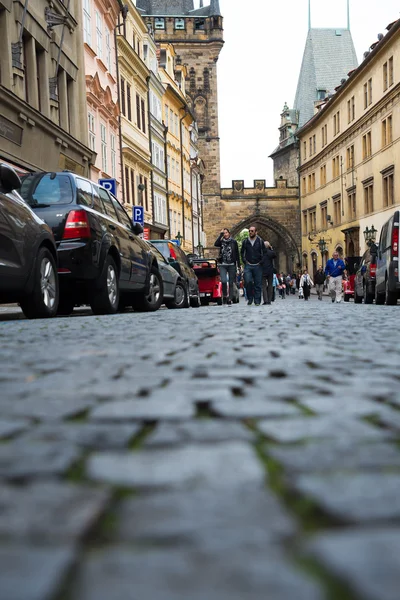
(202, 295)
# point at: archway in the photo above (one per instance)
(314, 265)
(288, 256)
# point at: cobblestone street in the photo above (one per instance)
(220, 453)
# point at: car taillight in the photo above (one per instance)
(372, 270)
(172, 251)
(77, 225)
(395, 241)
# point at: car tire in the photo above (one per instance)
(379, 298)
(151, 301)
(390, 297)
(187, 301)
(368, 298)
(105, 296)
(346, 298)
(179, 300)
(42, 302)
(195, 301)
(219, 301)
(204, 301)
(357, 299)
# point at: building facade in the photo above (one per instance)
(350, 154)
(134, 75)
(99, 23)
(42, 87)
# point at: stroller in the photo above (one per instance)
(301, 293)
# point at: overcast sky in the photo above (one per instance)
(259, 67)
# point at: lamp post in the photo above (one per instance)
(200, 249)
(179, 237)
(322, 245)
(370, 235)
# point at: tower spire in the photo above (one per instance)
(309, 15)
(348, 15)
(201, 4)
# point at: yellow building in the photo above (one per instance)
(178, 119)
(133, 82)
(349, 155)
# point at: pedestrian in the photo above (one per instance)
(228, 262)
(281, 286)
(293, 285)
(319, 280)
(288, 281)
(275, 284)
(268, 273)
(334, 271)
(252, 253)
(306, 284)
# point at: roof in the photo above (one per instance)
(328, 57)
(184, 8)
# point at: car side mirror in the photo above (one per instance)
(137, 228)
(9, 178)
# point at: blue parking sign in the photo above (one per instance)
(138, 215)
(110, 185)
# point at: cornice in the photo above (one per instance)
(133, 62)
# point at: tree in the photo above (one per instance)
(241, 237)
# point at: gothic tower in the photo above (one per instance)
(197, 36)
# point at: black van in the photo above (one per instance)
(387, 288)
(102, 261)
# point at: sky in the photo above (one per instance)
(259, 67)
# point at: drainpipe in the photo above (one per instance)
(182, 172)
(166, 177)
(123, 11)
(150, 145)
(191, 202)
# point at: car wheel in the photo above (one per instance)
(195, 301)
(179, 300)
(368, 298)
(151, 301)
(44, 298)
(379, 298)
(187, 301)
(219, 301)
(357, 299)
(105, 296)
(204, 302)
(390, 297)
(346, 298)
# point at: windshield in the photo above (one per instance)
(46, 188)
(162, 247)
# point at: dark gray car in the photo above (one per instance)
(28, 255)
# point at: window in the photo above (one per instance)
(123, 101)
(113, 156)
(84, 191)
(324, 135)
(92, 131)
(87, 24)
(323, 175)
(337, 217)
(387, 133)
(199, 24)
(385, 77)
(350, 158)
(335, 167)
(304, 150)
(107, 203)
(310, 146)
(108, 50)
(324, 216)
(122, 216)
(309, 183)
(138, 110)
(391, 72)
(103, 137)
(99, 35)
(39, 189)
(143, 115)
(159, 23)
(166, 115)
(388, 187)
(367, 145)
(368, 93)
(303, 187)
(336, 123)
(313, 219)
(129, 101)
(314, 144)
(127, 190)
(179, 23)
(351, 109)
(133, 185)
(351, 203)
(313, 182)
(368, 195)
(305, 222)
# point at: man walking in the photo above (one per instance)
(319, 280)
(228, 263)
(252, 253)
(268, 273)
(334, 270)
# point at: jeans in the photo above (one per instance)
(267, 288)
(319, 287)
(225, 271)
(253, 282)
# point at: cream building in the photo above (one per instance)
(178, 119)
(42, 86)
(134, 74)
(350, 154)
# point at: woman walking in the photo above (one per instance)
(228, 263)
(306, 284)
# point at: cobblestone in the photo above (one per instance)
(188, 454)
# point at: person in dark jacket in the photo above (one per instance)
(268, 273)
(319, 280)
(252, 253)
(228, 263)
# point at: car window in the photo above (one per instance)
(47, 188)
(163, 248)
(158, 254)
(122, 216)
(181, 255)
(107, 203)
(84, 191)
(97, 203)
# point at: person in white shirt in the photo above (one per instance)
(306, 284)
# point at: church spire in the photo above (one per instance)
(214, 9)
(309, 15)
(201, 4)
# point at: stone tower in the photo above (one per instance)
(197, 36)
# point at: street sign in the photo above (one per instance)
(110, 185)
(138, 215)
(146, 233)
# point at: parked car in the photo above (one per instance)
(28, 255)
(365, 277)
(175, 295)
(387, 287)
(178, 259)
(102, 261)
(352, 264)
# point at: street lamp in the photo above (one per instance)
(179, 237)
(200, 249)
(370, 235)
(322, 245)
